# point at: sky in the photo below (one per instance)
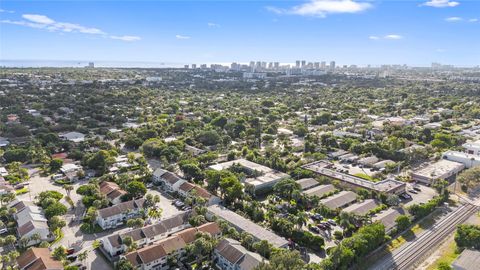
(358, 32)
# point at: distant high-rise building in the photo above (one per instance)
(252, 64)
(297, 63)
(316, 65)
(332, 65)
(204, 66)
(304, 63)
(323, 65)
(194, 66)
(91, 65)
(185, 66)
(276, 65)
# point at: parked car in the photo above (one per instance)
(317, 217)
(321, 226)
(417, 188)
(314, 229)
(413, 191)
(405, 196)
(332, 222)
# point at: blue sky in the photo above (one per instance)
(347, 31)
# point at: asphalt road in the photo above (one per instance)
(411, 253)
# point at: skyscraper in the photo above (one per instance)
(332, 65)
(297, 63)
(323, 65)
(303, 63)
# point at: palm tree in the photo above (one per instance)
(83, 256)
(68, 189)
(155, 213)
(301, 219)
(35, 237)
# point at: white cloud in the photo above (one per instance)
(440, 50)
(390, 37)
(320, 8)
(213, 25)
(35, 18)
(181, 37)
(453, 19)
(6, 11)
(473, 20)
(393, 36)
(43, 22)
(126, 38)
(441, 3)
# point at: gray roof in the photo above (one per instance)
(121, 208)
(339, 200)
(468, 260)
(387, 217)
(307, 183)
(246, 225)
(320, 190)
(362, 208)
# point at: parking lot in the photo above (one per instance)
(422, 196)
(166, 203)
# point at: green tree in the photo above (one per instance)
(124, 264)
(136, 189)
(283, 259)
(55, 164)
(403, 222)
(59, 253)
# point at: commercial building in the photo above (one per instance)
(468, 160)
(472, 148)
(244, 225)
(261, 178)
(442, 169)
(307, 183)
(326, 168)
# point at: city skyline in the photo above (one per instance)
(362, 33)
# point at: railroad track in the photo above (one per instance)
(407, 256)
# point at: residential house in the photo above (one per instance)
(75, 137)
(116, 215)
(113, 244)
(156, 256)
(112, 191)
(245, 225)
(229, 254)
(31, 221)
(38, 259)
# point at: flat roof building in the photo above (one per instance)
(469, 160)
(362, 208)
(265, 178)
(326, 168)
(442, 169)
